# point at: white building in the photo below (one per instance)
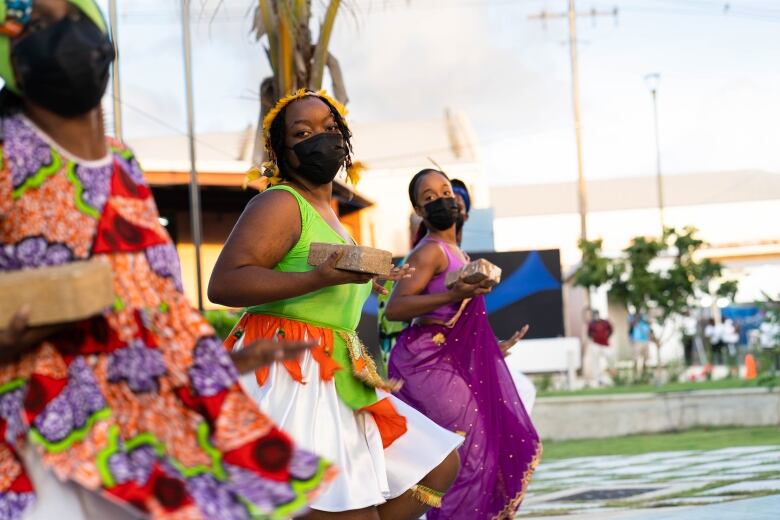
(735, 213)
(395, 151)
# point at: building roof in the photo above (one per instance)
(381, 145)
(629, 193)
(447, 140)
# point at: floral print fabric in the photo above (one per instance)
(141, 403)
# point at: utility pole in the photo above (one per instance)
(195, 218)
(652, 81)
(571, 14)
(582, 196)
(115, 89)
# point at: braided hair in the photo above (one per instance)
(275, 144)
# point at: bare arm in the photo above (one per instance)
(267, 229)
(407, 303)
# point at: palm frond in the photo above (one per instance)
(321, 50)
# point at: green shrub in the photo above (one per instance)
(223, 321)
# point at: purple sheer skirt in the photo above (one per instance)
(458, 378)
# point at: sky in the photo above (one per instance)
(718, 98)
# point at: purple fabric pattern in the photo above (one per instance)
(11, 405)
(33, 252)
(164, 260)
(25, 150)
(266, 494)
(212, 371)
(134, 466)
(131, 166)
(463, 385)
(70, 410)
(304, 465)
(13, 505)
(96, 182)
(215, 499)
(137, 364)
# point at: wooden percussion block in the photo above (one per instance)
(360, 259)
(475, 272)
(58, 294)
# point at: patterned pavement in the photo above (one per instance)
(613, 486)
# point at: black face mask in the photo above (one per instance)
(65, 66)
(321, 157)
(442, 213)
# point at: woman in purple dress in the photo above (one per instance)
(453, 369)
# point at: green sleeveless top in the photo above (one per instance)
(337, 306)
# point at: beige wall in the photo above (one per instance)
(718, 224)
(388, 220)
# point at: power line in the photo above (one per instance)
(572, 14)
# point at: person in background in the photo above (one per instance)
(690, 326)
(714, 334)
(390, 330)
(136, 412)
(453, 368)
(730, 336)
(640, 339)
(599, 354)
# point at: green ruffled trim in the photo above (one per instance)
(352, 391)
(301, 488)
(73, 437)
(12, 385)
(79, 198)
(148, 439)
(43, 173)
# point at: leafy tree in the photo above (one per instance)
(658, 278)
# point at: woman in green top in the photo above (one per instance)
(393, 462)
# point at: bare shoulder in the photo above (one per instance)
(427, 253)
(276, 203)
(270, 217)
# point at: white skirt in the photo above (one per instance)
(55, 499)
(368, 475)
(525, 388)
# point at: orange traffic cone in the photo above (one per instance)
(750, 367)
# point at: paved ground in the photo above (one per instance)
(665, 485)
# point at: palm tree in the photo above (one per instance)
(296, 60)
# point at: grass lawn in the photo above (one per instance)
(699, 439)
(722, 384)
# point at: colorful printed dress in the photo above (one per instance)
(141, 404)
(455, 374)
(332, 401)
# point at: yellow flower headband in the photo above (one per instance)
(268, 172)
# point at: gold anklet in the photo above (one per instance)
(429, 497)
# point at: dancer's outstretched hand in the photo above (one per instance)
(514, 340)
(399, 273)
(396, 273)
(263, 352)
